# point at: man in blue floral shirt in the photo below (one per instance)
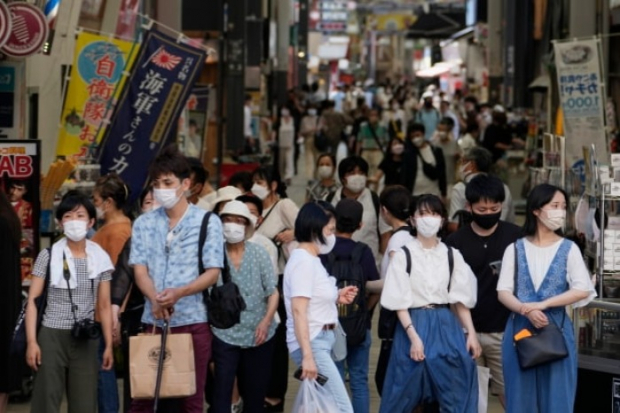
(164, 254)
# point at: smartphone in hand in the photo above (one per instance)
(321, 379)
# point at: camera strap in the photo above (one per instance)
(67, 275)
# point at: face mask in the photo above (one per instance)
(442, 135)
(553, 219)
(233, 232)
(488, 118)
(167, 198)
(312, 112)
(356, 183)
(325, 171)
(260, 191)
(284, 112)
(330, 241)
(428, 226)
(486, 221)
(398, 149)
(75, 229)
(418, 141)
(100, 213)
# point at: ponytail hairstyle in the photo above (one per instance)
(397, 200)
(111, 186)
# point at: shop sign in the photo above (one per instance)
(6, 23)
(334, 16)
(19, 178)
(581, 96)
(98, 65)
(11, 99)
(149, 106)
(29, 31)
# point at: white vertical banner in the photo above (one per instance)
(582, 96)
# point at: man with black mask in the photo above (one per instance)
(482, 244)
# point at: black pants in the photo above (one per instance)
(279, 369)
(251, 366)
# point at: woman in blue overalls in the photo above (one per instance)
(551, 275)
(431, 359)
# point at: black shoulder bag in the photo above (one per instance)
(224, 302)
(544, 345)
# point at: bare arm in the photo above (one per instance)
(33, 352)
(302, 333)
(169, 297)
(272, 306)
(464, 316)
(104, 310)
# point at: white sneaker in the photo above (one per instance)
(237, 407)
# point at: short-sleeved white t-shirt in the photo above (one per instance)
(305, 276)
(397, 240)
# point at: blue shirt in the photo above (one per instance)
(430, 119)
(171, 258)
(257, 282)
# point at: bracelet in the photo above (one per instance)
(407, 328)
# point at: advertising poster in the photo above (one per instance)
(12, 92)
(98, 65)
(146, 116)
(581, 97)
(19, 178)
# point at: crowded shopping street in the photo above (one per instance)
(309, 206)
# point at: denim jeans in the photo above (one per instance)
(322, 352)
(357, 365)
(107, 390)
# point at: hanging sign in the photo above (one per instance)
(98, 65)
(6, 24)
(19, 178)
(146, 115)
(581, 96)
(29, 31)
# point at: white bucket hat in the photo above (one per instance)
(227, 193)
(240, 209)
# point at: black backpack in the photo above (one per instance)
(224, 302)
(348, 270)
(388, 318)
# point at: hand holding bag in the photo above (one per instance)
(314, 398)
(542, 346)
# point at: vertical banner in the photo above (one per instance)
(98, 65)
(145, 117)
(582, 98)
(20, 172)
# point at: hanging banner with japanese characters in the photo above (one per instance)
(19, 178)
(98, 65)
(582, 98)
(146, 115)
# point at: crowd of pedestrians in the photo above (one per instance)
(411, 222)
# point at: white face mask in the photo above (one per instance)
(166, 197)
(260, 191)
(75, 229)
(419, 141)
(285, 112)
(442, 135)
(428, 226)
(100, 213)
(398, 149)
(325, 171)
(312, 112)
(233, 232)
(356, 183)
(553, 219)
(330, 241)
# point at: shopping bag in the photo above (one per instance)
(339, 350)
(314, 398)
(483, 389)
(178, 377)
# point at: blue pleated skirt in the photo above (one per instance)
(447, 375)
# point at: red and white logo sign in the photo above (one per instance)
(165, 60)
(29, 31)
(6, 23)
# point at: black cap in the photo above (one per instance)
(349, 212)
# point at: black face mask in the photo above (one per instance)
(486, 221)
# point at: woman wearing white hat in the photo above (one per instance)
(246, 348)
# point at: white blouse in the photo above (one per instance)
(538, 260)
(429, 278)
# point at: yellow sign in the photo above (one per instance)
(96, 77)
(394, 22)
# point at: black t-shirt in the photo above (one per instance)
(484, 256)
(496, 134)
(391, 169)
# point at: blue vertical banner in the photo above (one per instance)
(149, 106)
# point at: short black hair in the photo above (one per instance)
(415, 127)
(471, 99)
(243, 179)
(540, 196)
(198, 169)
(397, 200)
(311, 220)
(433, 204)
(326, 155)
(71, 201)
(254, 200)
(170, 161)
(271, 175)
(485, 187)
(482, 157)
(472, 127)
(448, 121)
(350, 163)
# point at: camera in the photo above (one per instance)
(86, 330)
